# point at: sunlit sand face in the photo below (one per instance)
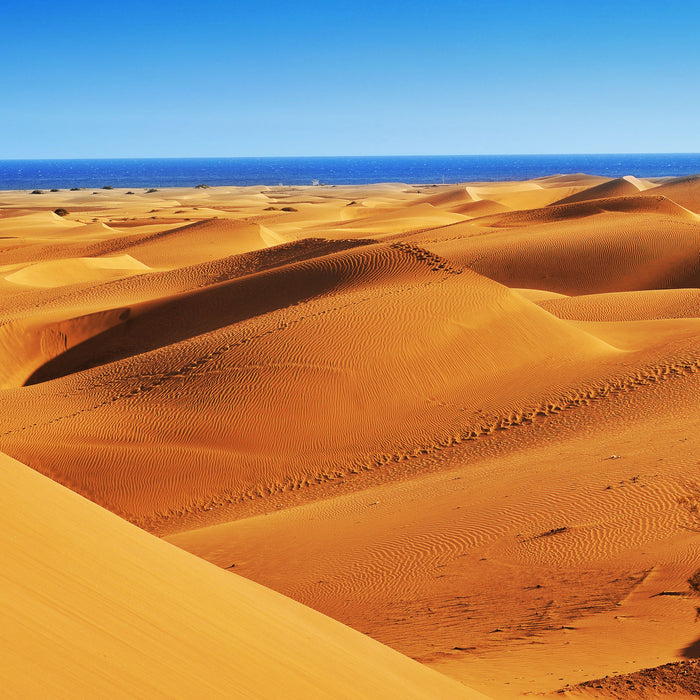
(461, 420)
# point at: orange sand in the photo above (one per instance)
(94, 607)
(462, 420)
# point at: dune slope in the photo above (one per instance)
(612, 188)
(597, 250)
(104, 609)
(266, 404)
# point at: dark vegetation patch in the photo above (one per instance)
(551, 533)
(694, 582)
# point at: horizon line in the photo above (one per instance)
(383, 155)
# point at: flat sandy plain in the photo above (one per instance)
(377, 441)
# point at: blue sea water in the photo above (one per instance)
(342, 170)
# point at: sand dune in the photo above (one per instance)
(602, 252)
(521, 195)
(581, 181)
(385, 222)
(29, 225)
(619, 187)
(449, 198)
(626, 306)
(59, 273)
(460, 332)
(685, 191)
(459, 419)
(561, 212)
(103, 609)
(184, 245)
(171, 319)
(537, 549)
(37, 325)
(483, 207)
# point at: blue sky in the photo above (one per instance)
(157, 79)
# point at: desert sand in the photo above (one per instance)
(416, 441)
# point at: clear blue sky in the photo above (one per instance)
(152, 78)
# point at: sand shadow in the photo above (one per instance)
(692, 651)
(283, 283)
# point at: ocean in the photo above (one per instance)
(342, 170)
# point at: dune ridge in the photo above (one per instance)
(628, 185)
(455, 314)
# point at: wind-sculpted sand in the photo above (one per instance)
(461, 420)
(94, 607)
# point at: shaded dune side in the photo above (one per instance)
(605, 253)
(450, 198)
(613, 188)
(482, 207)
(423, 354)
(657, 204)
(155, 324)
(683, 190)
(80, 604)
(158, 283)
(30, 339)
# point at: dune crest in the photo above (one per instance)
(60, 273)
